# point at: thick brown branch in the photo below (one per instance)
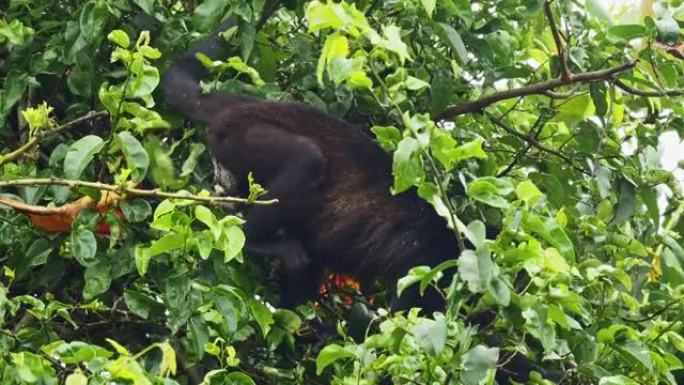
(533, 89)
(9, 157)
(647, 93)
(132, 191)
(562, 57)
(535, 142)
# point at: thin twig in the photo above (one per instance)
(566, 75)
(9, 157)
(647, 93)
(133, 191)
(533, 89)
(534, 142)
(536, 128)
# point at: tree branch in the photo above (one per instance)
(534, 142)
(537, 127)
(9, 157)
(533, 89)
(566, 75)
(647, 93)
(133, 191)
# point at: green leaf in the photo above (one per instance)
(167, 366)
(392, 42)
(76, 352)
(478, 363)
(575, 110)
(239, 378)
(472, 149)
(407, 166)
(97, 279)
(484, 191)
(668, 31)
(234, 241)
(119, 38)
(336, 47)
(598, 96)
(477, 234)
(136, 155)
(30, 368)
(635, 352)
(80, 154)
(626, 32)
(617, 380)
(262, 315)
(198, 334)
(475, 268)
(136, 210)
(146, 5)
(415, 84)
(528, 192)
(626, 204)
(206, 216)
(435, 273)
(388, 137)
(540, 326)
(431, 334)
(15, 32)
(77, 378)
(141, 304)
(429, 6)
(414, 275)
(38, 118)
(453, 38)
(144, 82)
(321, 15)
(673, 267)
(190, 164)
(597, 9)
(92, 20)
(288, 320)
(84, 246)
(331, 354)
(499, 289)
(38, 252)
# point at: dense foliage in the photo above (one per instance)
(121, 265)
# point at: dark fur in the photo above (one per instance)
(333, 184)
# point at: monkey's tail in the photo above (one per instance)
(181, 81)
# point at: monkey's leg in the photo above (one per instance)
(299, 276)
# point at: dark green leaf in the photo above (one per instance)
(626, 204)
(453, 38)
(329, 355)
(626, 32)
(84, 246)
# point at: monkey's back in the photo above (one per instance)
(352, 223)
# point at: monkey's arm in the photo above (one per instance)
(295, 169)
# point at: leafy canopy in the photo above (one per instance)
(540, 118)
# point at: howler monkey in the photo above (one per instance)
(332, 181)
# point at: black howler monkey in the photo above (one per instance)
(332, 181)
